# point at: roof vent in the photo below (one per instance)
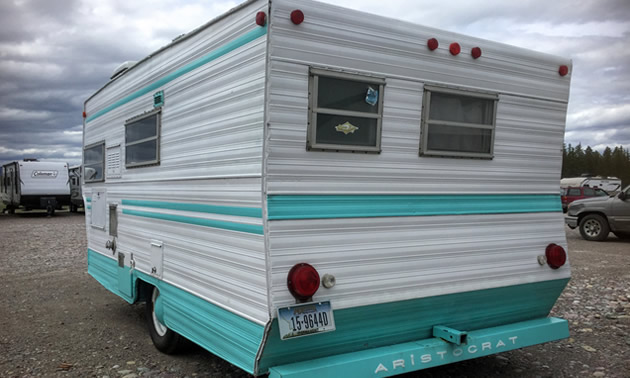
(122, 68)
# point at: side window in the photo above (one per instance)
(142, 139)
(457, 123)
(345, 112)
(589, 192)
(600, 193)
(94, 161)
(574, 192)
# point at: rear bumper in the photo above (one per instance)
(423, 354)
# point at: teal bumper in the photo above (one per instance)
(423, 354)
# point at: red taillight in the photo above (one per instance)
(556, 256)
(432, 44)
(563, 70)
(454, 48)
(475, 52)
(261, 19)
(297, 17)
(303, 281)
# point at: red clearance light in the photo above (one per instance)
(84, 114)
(432, 44)
(303, 281)
(475, 52)
(261, 19)
(297, 17)
(556, 256)
(563, 70)
(454, 48)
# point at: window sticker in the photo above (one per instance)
(346, 128)
(371, 97)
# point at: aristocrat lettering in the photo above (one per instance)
(442, 355)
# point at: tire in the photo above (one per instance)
(50, 210)
(594, 227)
(622, 235)
(165, 340)
(73, 208)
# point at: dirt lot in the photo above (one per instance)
(57, 321)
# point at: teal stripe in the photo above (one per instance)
(357, 206)
(200, 208)
(249, 228)
(374, 326)
(227, 335)
(219, 52)
(88, 199)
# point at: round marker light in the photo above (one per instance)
(475, 52)
(303, 281)
(556, 256)
(433, 44)
(297, 17)
(261, 19)
(563, 70)
(454, 48)
(84, 114)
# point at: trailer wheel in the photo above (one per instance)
(594, 227)
(165, 340)
(50, 210)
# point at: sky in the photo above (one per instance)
(55, 54)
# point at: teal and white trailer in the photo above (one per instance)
(306, 190)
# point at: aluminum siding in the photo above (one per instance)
(210, 154)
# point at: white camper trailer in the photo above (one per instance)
(311, 191)
(609, 184)
(33, 184)
(76, 196)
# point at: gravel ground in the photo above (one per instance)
(57, 321)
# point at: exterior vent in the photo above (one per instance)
(122, 68)
(158, 99)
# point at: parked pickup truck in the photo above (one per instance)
(598, 216)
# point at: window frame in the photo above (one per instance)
(313, 110)
(102, 144)
(426, 122)
(158, 131)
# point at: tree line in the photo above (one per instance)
(578, 161)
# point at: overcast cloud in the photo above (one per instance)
(54, 54)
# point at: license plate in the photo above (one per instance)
(305, 319)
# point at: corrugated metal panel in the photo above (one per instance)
(210, 154)
(378, 260)
(529, 129)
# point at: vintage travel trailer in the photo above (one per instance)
(311, 191)
(32, 184)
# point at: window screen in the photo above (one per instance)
(345, 112)
(142, 140)
(93, 162)
(458, 123)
